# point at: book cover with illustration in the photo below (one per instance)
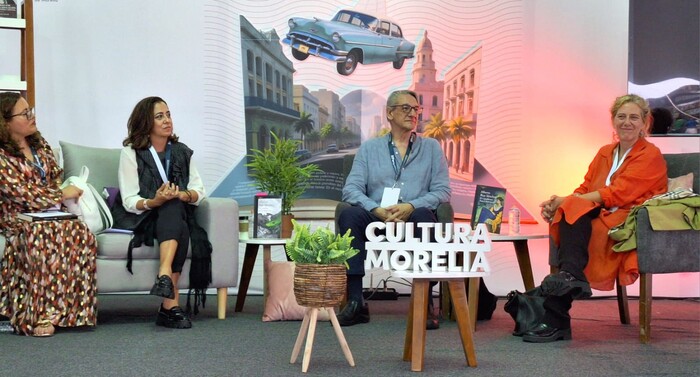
(268, 217)
(488, 207)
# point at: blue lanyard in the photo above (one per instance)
(392, 154)
(37, 164)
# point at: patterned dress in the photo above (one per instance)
(48, 267)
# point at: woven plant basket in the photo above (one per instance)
(319, 285)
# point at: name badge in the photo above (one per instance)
(390, 196)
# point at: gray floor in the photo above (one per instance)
(127, 343)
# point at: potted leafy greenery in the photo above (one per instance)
(276, 171)
(321, 261)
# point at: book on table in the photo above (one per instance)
(46, 216)
(488, 207)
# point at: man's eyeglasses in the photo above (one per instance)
(29, 114)
(406, 108)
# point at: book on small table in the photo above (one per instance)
(46, 216)
(488, 207)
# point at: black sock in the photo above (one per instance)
(355, 288)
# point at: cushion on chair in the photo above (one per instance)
(102, 162)
(682, 164)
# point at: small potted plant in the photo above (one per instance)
(321, 261)
(276, 171)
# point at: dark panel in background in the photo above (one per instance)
(665, 44)
(664, 40)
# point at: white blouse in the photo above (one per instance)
(129, 181)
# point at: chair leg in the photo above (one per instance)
(645, 295)
(222, 296)
(622, 304)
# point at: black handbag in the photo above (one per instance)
(527, 309)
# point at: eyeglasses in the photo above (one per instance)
(29, 114)
(406, 108)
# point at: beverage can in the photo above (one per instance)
(514, 220)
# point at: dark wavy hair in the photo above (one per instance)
(8, 100)
(141, 122)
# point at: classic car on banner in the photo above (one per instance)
(349, 38)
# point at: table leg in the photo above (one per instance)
(473, 299)
(523, 254)
(459, 298)
(408, 339)
(420, 313)
(251, 252)
(267, 257)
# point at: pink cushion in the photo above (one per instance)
(682, 182)
(281, 304)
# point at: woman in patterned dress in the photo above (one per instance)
(47, 270)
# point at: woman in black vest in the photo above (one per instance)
(159, 187)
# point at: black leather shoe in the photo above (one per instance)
(163, 287)
(545, 334)
(563, 283)
(174, 318)
(353, 313)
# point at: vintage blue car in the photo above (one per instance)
(349, 38)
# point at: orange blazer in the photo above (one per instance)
(641, 176)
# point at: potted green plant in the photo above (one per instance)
(276, 171)
(321, 261)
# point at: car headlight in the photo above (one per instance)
(335, 37)
(291, 23)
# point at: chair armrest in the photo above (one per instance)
(666, 251)
(219, 217)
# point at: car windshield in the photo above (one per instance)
(357, 19)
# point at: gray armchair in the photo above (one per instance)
(662, 252)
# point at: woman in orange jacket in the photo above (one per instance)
(622, 175)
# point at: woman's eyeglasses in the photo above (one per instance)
(406, 108)
(29, 114)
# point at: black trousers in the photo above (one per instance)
(171, 224)
(573, 258)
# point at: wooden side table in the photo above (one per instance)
(252, 246)
(414, 344)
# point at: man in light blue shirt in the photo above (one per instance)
(397, 177)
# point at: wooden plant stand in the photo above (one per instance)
(309, 323)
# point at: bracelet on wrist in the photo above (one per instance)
(145, 205)
(189, 196)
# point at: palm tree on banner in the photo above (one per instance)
(461, 129)
(314, 137)
(436, 128)
(303, 125)
(328, 132)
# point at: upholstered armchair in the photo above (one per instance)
(663, 252)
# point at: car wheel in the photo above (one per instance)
(348, 67)
(399, 63)
(298, 55)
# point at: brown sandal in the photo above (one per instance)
(43, 328)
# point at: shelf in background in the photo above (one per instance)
(13, 85)
(12, 23)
